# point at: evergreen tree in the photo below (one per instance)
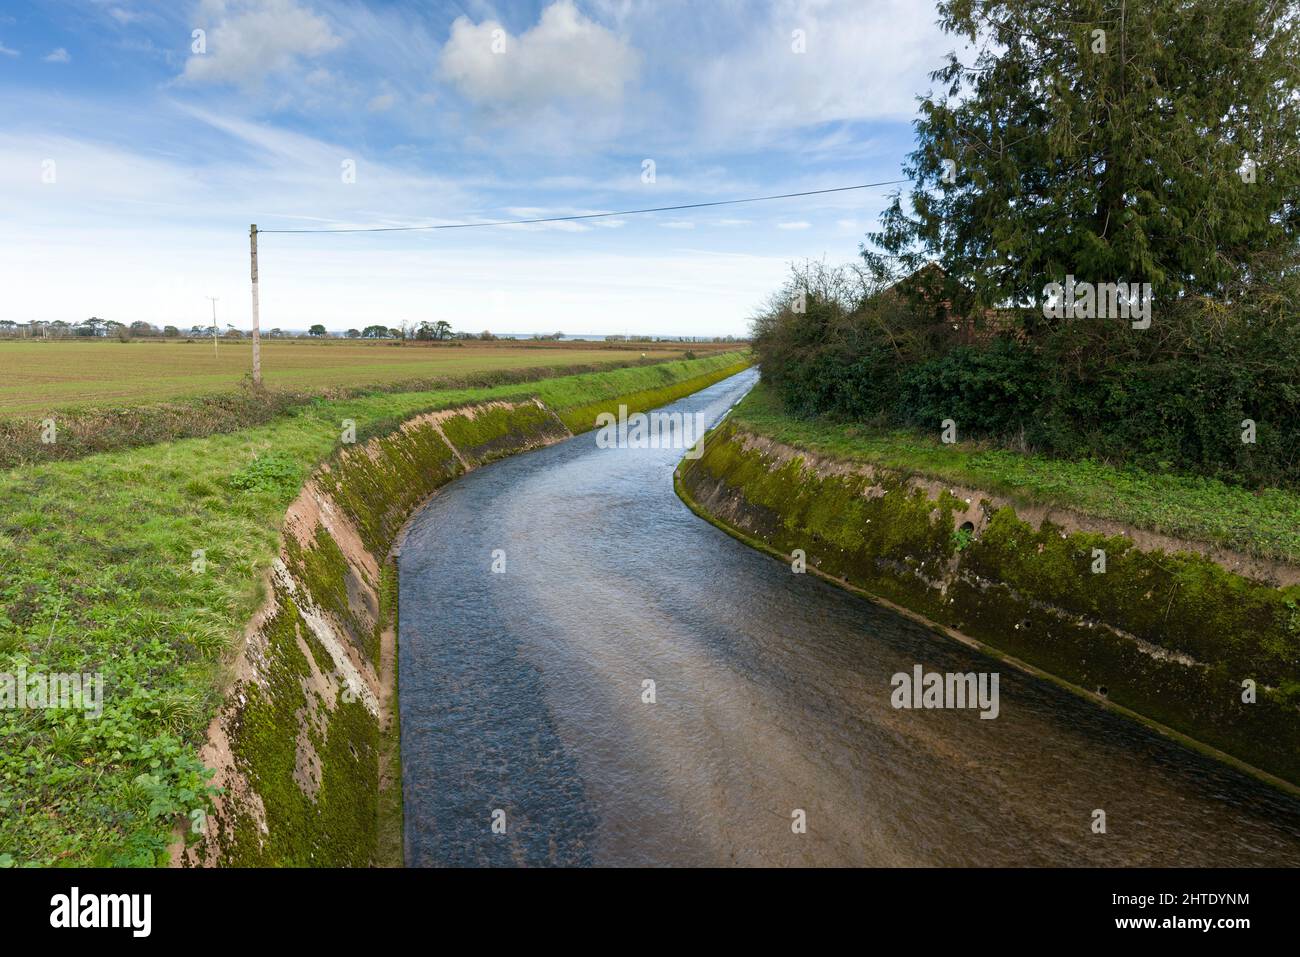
(1116, 140)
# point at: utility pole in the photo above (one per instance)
(257, 333)
(214, 323)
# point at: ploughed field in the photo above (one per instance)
(38, 376)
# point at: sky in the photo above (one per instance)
(138, 141)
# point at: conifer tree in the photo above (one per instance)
(1116, 140)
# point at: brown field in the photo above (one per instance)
(45, 375)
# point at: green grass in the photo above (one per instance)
(1263, 524)
(96, 576)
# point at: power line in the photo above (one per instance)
(568, 219)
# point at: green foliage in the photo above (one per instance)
(988, 392)
(275, 472)
(1179, 401)
(1171, 397)
(89, 431)
(1105, 140)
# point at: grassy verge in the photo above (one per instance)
(143, 565)
(1263, 524)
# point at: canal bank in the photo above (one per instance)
(591, 675)
(1198, 643)
(305, 749)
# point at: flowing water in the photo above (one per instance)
(522, 693)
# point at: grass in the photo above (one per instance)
(76, 432)
(1264, 524)
(100, 573)
(38, 377)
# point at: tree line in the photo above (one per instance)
(1091, 145)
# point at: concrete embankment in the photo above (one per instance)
(1200, 643)
(305, 746)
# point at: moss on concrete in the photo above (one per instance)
(337, 587)
(334, 827)
(493, 432)
(312, 752)
(390, 836)
(378, 489)
(1170, 636)
(582, 418)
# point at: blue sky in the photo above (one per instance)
(131, 165)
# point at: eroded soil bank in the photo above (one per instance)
(1190, 640)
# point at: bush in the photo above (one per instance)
(274, 472)
(989, 392)
(1176, 396)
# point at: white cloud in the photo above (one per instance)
(560, 120)
(5, 51)
(58, 56)
(542, 212)
(864, 59)
(565, 56)
(247, 40)
(564, 227)
(149, 236)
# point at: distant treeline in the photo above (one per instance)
(420, 332)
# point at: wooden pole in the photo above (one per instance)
(214, 325)
(257, 332)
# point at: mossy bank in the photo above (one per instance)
(305, 747)
(1204, 647)
(145, 565)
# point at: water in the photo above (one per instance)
(522, 692)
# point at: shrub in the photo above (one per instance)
(1175, 396)
(993, 391)
(275, 472)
